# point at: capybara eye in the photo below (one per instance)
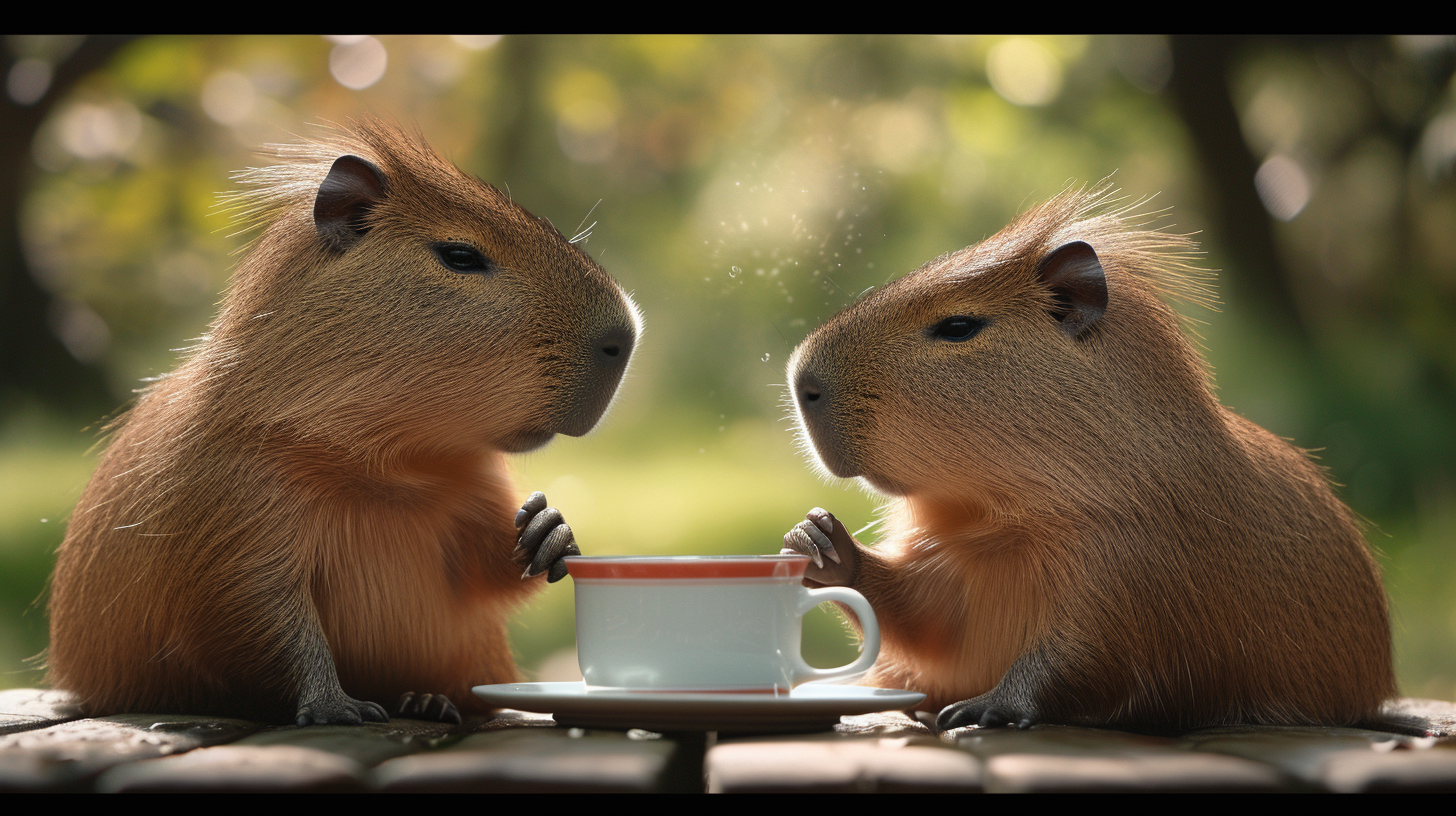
(957, 329)
(464, 258)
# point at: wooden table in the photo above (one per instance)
(45, 746)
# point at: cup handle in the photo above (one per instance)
(869, 627)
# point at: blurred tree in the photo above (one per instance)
(37, 365)
(1294, 281)
(1202, 66)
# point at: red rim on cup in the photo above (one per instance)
(687, 567)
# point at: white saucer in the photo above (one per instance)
(812, 706)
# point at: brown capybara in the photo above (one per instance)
(313, 514)
(1078, 531)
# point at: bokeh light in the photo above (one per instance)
(358, 63)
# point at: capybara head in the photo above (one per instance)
(395, 300)
(1042, 351)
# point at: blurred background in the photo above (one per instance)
(745, 189)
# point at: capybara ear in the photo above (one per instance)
(1079, 287)
(353, 187)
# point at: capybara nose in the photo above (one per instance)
(596, 386)
(810, 393)
(614, 347)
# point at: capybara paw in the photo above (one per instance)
(821, 537)
(339, 708)
(987, 710)
(436, 707)
(543, 539)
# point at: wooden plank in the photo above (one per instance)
(69, 755)
(1345, 760)
(315, 758)
(28, 709)
(1052, 758)
(1403, 770)
(1421, 718)
(836, 763)
(885, 752)
(238, 769)
(887, 724)
(367, 744)
(552, 760)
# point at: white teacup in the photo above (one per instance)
(703, 623)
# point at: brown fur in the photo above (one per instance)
(330, 458)
(1084, 508)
